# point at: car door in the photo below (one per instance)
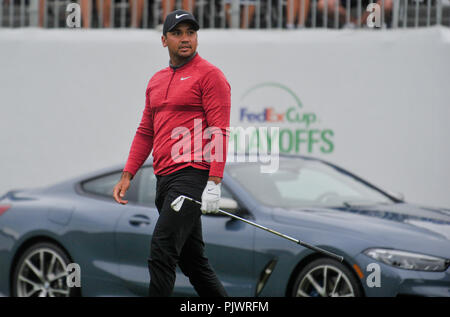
(228, 244)
(92, 234)
(133, 233)
(230, 249)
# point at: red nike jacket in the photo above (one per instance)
(176, 98)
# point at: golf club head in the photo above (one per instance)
(177, 203)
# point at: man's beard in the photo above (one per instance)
(184, 57)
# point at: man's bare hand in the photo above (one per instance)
(121, 188)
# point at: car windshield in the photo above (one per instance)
(301, 183)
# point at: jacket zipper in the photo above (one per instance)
(167, 91)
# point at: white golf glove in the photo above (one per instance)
(210, 198)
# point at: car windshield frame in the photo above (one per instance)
(261, 196)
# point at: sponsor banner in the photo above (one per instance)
(273, 104)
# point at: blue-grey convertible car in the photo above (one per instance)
(72, 234)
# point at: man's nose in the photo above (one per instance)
(184, 37)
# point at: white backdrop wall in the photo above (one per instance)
(378, 102)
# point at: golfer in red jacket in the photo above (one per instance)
(185, 121)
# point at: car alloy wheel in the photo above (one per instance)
(326, 278)
(41, 272)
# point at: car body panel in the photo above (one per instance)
(111, 242)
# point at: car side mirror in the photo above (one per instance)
(397, 195)
(228, 204)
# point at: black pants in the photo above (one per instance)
(177, 238)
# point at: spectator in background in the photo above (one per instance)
(86, 12)
(84, 4)
(342, 5)
(297, 6)
(168, 6)
(246, 20)
(41, 13)
(107, 11)
(85, 15)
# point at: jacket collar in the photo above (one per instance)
(183, 64)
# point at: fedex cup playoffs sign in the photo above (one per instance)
(271, 104)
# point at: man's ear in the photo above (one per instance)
(164, 41)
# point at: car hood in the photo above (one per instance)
(401, 225)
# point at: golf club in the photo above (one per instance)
(177, 203)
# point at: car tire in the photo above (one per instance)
(326, 278)
(41, 271)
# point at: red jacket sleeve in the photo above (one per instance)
(216, 99)
(142, 144)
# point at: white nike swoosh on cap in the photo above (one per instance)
(183, 78)
(179, 16)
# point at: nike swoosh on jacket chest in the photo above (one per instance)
(176, 89)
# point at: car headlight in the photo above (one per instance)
(408, 260)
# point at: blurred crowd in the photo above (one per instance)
(296, 13)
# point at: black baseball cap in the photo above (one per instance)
(176, 17)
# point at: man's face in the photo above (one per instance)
(181, 40)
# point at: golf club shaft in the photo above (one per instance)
(309, 246)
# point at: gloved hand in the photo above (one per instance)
(210, 198)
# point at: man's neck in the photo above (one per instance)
(181, 62)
